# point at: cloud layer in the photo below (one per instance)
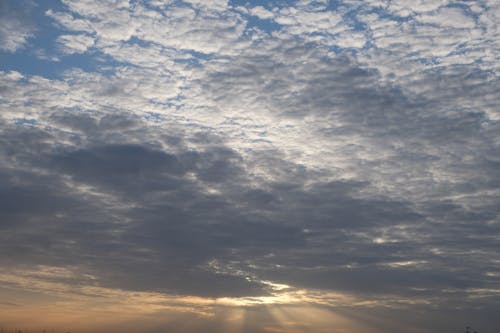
(337, 154)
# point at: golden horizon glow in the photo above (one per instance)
(55, 301)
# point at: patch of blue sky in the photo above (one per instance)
(198, 56)
(332, 5)
(384, 14)
(171, 103)
(351, 17)
(264, 25)
(29, 63)
(154, 117)
(25, 122)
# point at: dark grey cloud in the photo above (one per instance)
(171, 226)
(438, 142)
(153, 213)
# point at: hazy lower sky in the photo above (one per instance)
(232, 166)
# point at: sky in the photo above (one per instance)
(233, 166)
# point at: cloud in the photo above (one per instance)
(340, 155)
(449, 17)
(15, 26)
(75, 43)
(261, 13)
(197, 26)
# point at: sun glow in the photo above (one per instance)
(56, 300)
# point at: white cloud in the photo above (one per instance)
(209, 29)
(448, 17)
(209, 4)
(69, 22)
(350, 39)
(435, 35)
(14, 33)
(94, 9)
(261, 13)
(70, 44)
(408, 7)
(151, 56)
